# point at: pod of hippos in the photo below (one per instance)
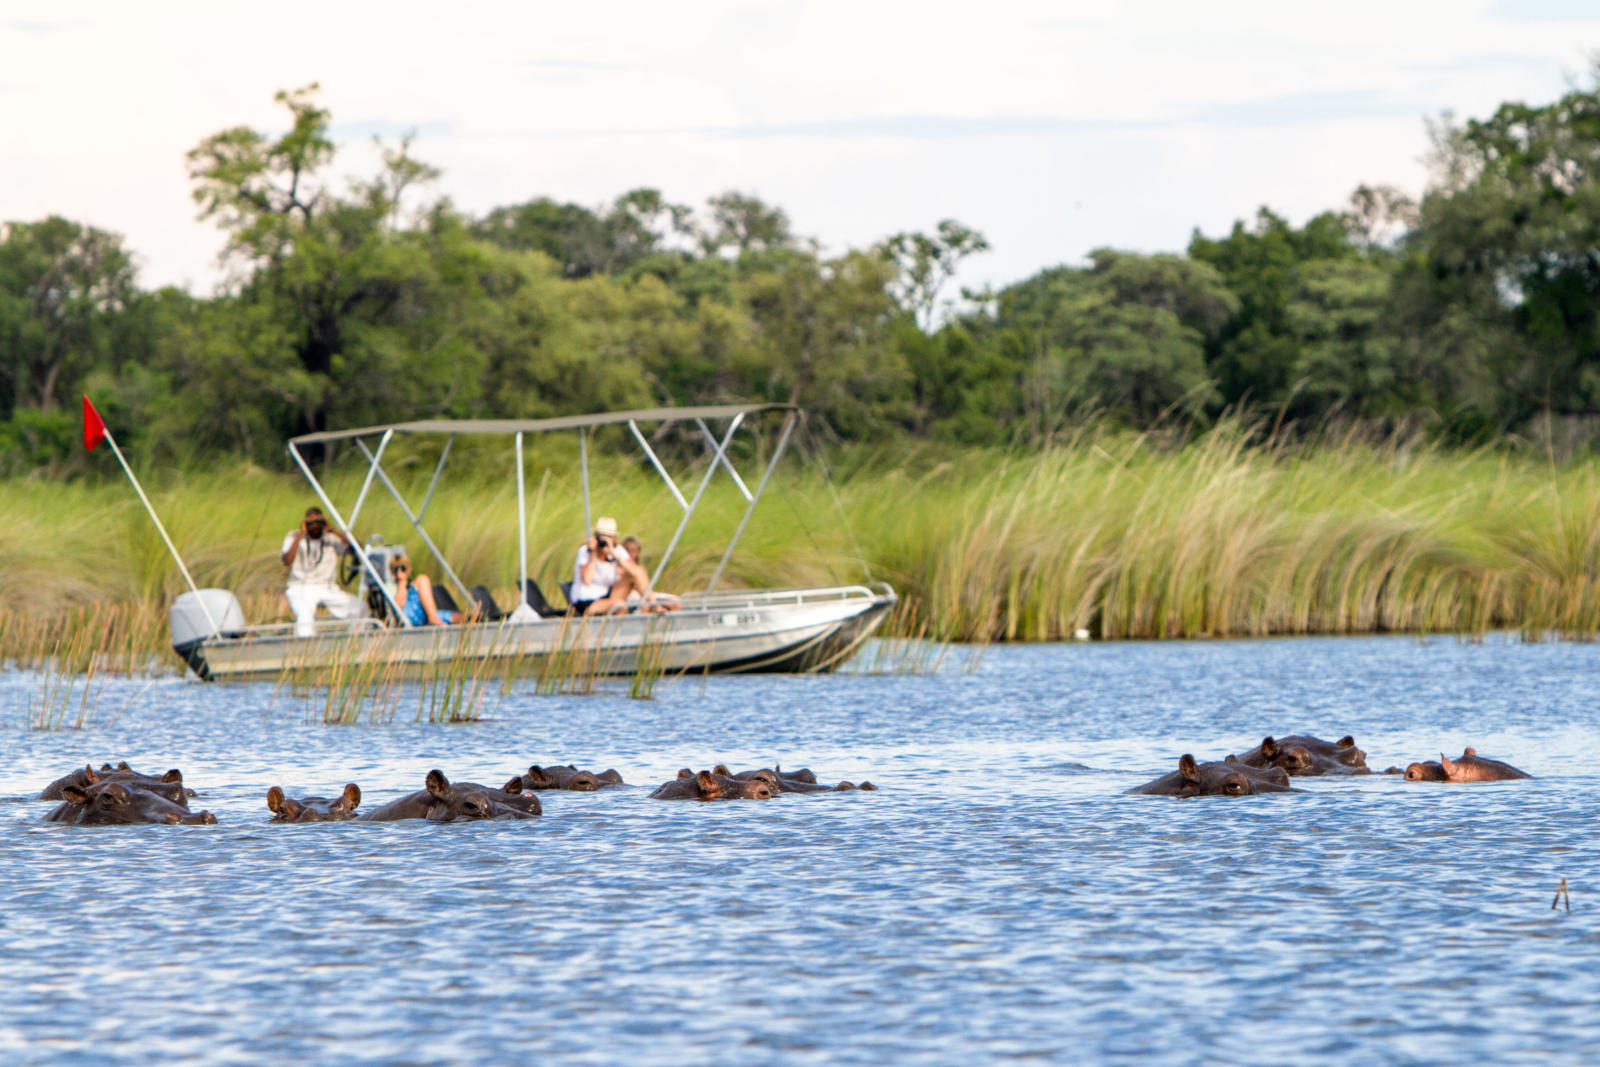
(120, 795)
(1268, 767)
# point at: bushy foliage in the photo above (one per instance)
(1475, 312)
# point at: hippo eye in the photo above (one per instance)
(1233, 789)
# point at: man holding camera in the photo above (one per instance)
(312, 555)
(603, 574)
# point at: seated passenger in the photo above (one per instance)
(636, 599)
(603, 574)
(414, 594)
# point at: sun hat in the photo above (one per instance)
(605, 524)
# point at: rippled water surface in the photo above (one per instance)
(998, 898)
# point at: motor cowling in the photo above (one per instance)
(189, 621)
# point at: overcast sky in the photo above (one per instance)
(1052, 128)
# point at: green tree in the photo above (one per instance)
(370, 301)
(1508, 235)
(926, 263)
(62, 287)
(1128, 335)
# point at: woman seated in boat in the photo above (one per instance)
(604, 574)
(414, 594)
(655, 601)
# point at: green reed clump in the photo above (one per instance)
(69, 689)
(650, 662)
(452, 688)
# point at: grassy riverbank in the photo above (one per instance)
(1109, 532)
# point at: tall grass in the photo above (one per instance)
(1128, 536)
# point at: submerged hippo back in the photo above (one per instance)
(1471, 767)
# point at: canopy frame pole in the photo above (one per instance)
(722, 455)
(361, 498)
(583, 469)
(416, 523)
(783, 443)
(705, 480)
(522, 524)
(650, 452)
(355, 543)
(437, 471)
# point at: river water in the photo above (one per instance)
(998, 898)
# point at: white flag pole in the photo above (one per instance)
(162, 530)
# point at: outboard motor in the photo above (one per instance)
(381, 555)
(190, 626)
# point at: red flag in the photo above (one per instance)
(94, 428)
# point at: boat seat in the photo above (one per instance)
(540, 605)
(491, 610)
(443, 600)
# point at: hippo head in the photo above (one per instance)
(113, 803)
(539, 778)
(1426, 771)
(314, 809)
(450, 803)
(1228, 779)
(713, 786)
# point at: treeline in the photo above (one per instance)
(1473, 314)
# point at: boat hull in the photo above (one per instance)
(796, 631)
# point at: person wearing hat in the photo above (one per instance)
(604, 574)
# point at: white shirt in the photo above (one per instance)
(314, 562)
(605, 574)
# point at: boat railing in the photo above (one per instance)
(769, 597)
(325, 628)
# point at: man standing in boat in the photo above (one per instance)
(604, 574)
(312, 555)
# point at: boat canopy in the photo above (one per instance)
(517, 429)
(565, 422)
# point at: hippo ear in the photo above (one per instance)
(1269, 747)
(93, 775)
(535, 777)
(610, 775)
(1187, 769)
(1469, 751)
(173, 775)
(350, 800)
(684, 772)
(1448, 764)
(722, 769)
(275, 800)
(707, 783)
(514, 787)
(74, 795)
(437, 784)
(1346, 742)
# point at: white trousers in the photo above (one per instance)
(305, 599)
